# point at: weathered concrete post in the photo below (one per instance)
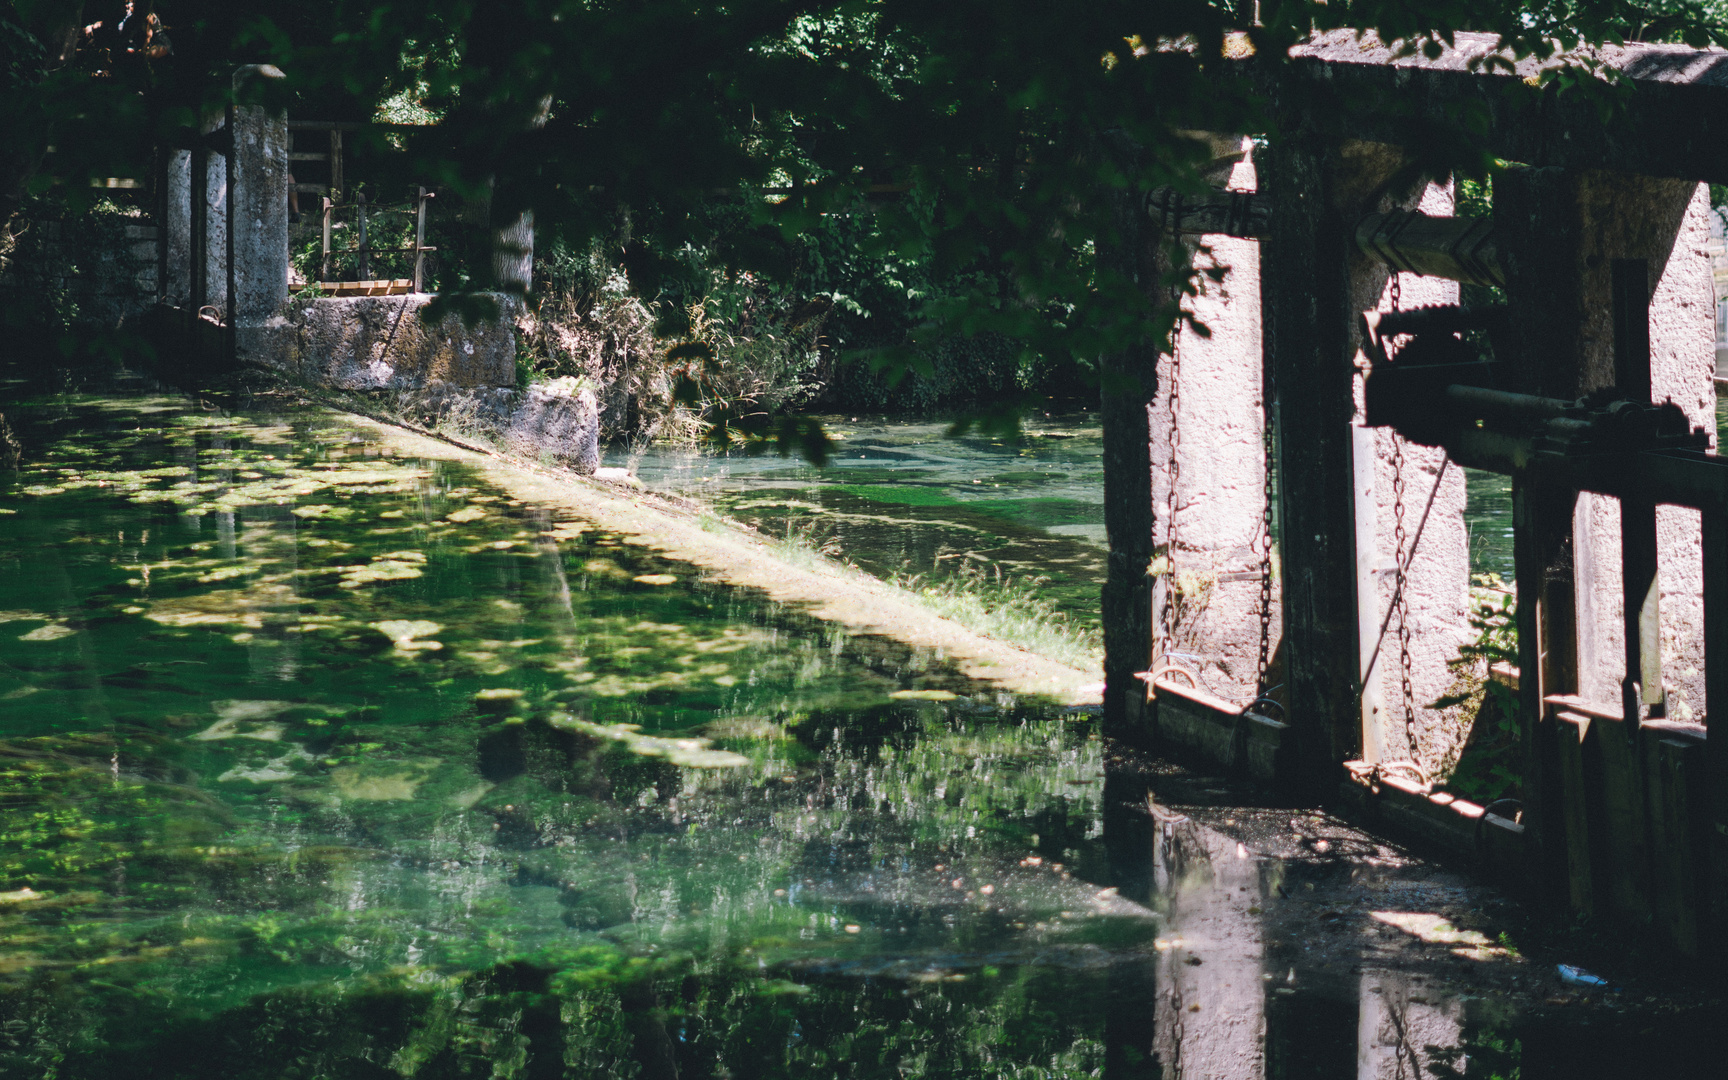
(257, 221)
(1217, 441)
(175, 279)
(207, 209)
(1436, 586)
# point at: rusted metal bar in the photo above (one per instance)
(420, 239)
(1458, 248)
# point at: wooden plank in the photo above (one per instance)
(1624, 849)
(1573, 732)
(1306, 302)
(1676, 811)
(1224, 736)
(1547, 652)
(1368, 595)
(1642, 690)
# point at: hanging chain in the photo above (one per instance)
(1401, 591)
(1269, 406)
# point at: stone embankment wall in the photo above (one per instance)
(100, 272)
(448, 374)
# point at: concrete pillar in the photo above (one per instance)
(209, 254)
(176, 234)
(1437, 588)
(258, 219)
(1220, 497)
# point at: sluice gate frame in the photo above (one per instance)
(1625, 808)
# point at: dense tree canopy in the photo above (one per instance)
(977, 136)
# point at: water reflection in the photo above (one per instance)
(319, 762)
(901, 496)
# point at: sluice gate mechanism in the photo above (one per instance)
(1290, 589)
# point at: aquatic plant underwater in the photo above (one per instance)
(318, 761)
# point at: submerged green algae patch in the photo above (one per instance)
(318, 762)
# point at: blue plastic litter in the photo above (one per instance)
(1577, 976)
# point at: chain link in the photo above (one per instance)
(1400, 590)
(1269, 407)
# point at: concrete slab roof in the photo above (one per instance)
(1668, 119)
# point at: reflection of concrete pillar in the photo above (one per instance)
(1210, 1015)
(1220, 497)
(176, 234)
(1436, 592)
(1401, 1032)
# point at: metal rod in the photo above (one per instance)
(324, 266)
(365, 251)
(420, 240)
(1503, 404)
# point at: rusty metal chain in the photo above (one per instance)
(1400, 591)
(1269, 406)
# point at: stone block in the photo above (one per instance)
(555, 423)
(382, 343)
(558, 421)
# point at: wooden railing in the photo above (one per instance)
(364, 250)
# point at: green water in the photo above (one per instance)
(294, 726)
(320, 762)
